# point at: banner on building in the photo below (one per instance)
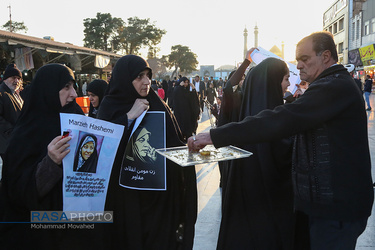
(355, 58)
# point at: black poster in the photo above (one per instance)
(142, 168)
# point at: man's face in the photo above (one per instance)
(13, 82)
(309, 64)
(197, 79)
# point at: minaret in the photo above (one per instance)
(282, 49)
(256, 36)
(10, 18)
(245, 43)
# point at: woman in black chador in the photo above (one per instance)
(186, 107)
(146, 219)
(258, 203)
(32, 169)
(95, 91)
(86, 158)
(230, 109)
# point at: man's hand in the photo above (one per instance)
(195, 143)
(58, 149)
(298, 93)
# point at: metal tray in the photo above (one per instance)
(182, 157)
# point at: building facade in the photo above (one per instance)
(336, 20)
(352, 23)
(362, 36)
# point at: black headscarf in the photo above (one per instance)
(89, 165)
(262, 87)
(120, 93)
(140, 214)
(258, 204)
(97, 87)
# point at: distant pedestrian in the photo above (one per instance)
(211, 94)
(201, 91)
(84, 88)
(171, 85)
(95, 91)
(11, 104)
(351, 69)
(164, 85)
(367, 89)
(161, 92)
(185, 108)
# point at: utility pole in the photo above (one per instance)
(10, 18)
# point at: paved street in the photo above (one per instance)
(209, 199)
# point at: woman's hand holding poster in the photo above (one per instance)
(87, 167)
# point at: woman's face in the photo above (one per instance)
(94, 99)
(87, 150)
(285, 83)
(142, 144)
(67, 94)
(142, 83)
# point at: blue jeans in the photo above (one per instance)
(335, 235)
(367, 98)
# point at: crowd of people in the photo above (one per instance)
(330, 167)
(308, 184)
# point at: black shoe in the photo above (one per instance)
(369, 109)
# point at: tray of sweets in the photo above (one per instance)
(184, 158)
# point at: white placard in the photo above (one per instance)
(88, 166)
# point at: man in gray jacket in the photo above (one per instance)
(331, 160)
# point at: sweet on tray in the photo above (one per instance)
(183, 157)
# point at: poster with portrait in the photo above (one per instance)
(87, 167)
(142, 168)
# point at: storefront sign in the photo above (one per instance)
(367, 54)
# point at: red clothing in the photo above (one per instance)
(161, 93)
